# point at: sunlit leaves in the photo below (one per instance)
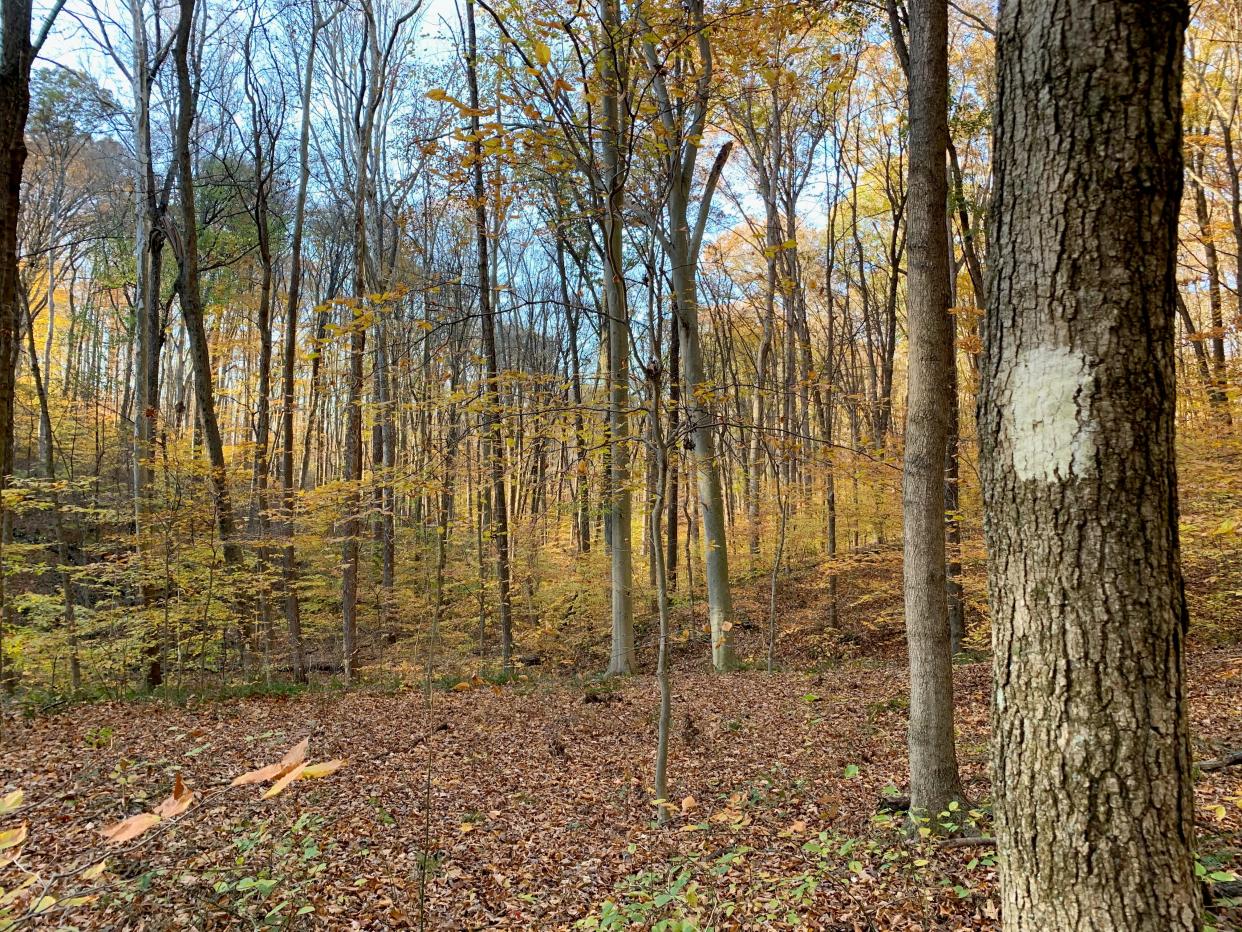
(279, 786)
(13, 837)
(11, 801)
(323, 769)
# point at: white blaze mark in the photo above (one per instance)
(1050, 422)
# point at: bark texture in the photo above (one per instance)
(1090, 749)
(934, 781)
(16, 57)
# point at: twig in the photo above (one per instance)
(1231, 759)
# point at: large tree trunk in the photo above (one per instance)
(16, 57)
(934, 781)
(1090, 748)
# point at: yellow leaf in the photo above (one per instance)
(13, 837)
(95, 871)
(322, 770)
(543, 54)
(279, 786)
(10, 896)
(466, 827)
(131, 828)
(437, 93)
(11, 802)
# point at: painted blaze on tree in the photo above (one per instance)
(1091, 750)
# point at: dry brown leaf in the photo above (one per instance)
(262, 775)
(131, 828)
(177, 803)
(294, 756)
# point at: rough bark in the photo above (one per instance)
(16, 56)
(1090, 746)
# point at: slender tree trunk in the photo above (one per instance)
(1216, 340)
(620, 509)
(660, 446)
(188, 289)
(491, 392)
(1235, 203)
(1091, 754)
(1196, 343)
(674, 422)
(934, 781)
(62, 540)
(289, 567)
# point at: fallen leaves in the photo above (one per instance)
(520, 839)
(292, 766)
(131, 828)
(177, 803)
(13, 837)
(314, 771)
(279, 786)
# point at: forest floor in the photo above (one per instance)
(540, 805)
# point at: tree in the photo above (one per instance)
(17, 55)
(189, 288)
(1090, 746)
(487, 321)
(683, 124)
(934, 781)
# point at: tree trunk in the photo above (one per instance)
(674, 421)
(491, 390)
(1216, 340)
(1092, 770)
(190, 295)
(62, 540)
(16, 57)
(934, 781)
(289, 566)
(619, 495)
